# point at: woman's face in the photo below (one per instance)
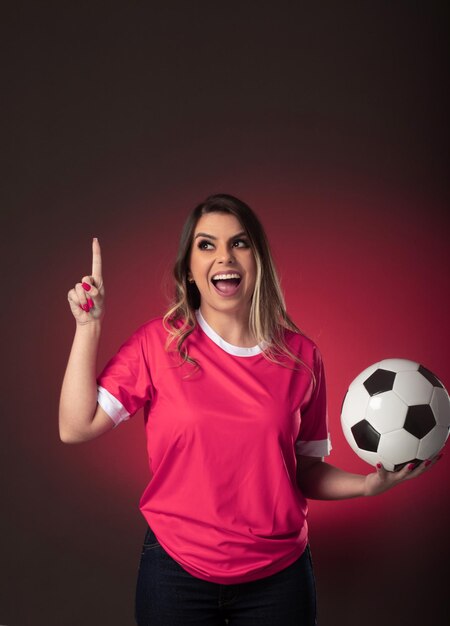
(222, 263)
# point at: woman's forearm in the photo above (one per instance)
(78, 400)
(322, 481)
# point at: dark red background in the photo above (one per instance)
(331, 121)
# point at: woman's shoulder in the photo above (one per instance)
(154, 325)
(301, 344)
(160, 326)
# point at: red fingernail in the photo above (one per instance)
(379, 465)
(411, 466)
(86, 286)
(86, 307)
(90, 303)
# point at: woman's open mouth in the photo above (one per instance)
(227, 283)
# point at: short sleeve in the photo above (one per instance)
(124, 385)
(314, 438)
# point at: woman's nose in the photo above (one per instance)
(225, 255)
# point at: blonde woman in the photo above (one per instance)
(234, 403)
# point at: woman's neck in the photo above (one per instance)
(232, 326)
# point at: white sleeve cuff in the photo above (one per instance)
(321, 447)
(116, 411)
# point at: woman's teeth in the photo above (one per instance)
(226, 276)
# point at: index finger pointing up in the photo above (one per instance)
(96, 262)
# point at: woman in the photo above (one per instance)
(234, 403)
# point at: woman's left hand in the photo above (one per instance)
(382, 480)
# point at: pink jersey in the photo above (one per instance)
(222, 499)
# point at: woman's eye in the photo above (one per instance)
(241, 243)
(203, 245)
(237, 243)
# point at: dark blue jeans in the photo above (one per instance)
(167, 595)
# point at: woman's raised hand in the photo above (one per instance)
(86, 299)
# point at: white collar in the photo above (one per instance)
(228, 347)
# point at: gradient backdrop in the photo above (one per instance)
(331, 120)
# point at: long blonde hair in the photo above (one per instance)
(268, 317)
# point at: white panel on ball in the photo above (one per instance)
(398, 446)
(440, 404)
(388, 465)
(434, 441)
(413, 388)
(349, 436)
(355, 405)
(386, 412)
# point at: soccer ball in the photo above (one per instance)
(396, 412)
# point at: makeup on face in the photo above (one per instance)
(222, 262)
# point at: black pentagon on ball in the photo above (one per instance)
(419, 420)
(380, 381)
(430, 376)
(366, 436)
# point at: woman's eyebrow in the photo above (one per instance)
(212, 236)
